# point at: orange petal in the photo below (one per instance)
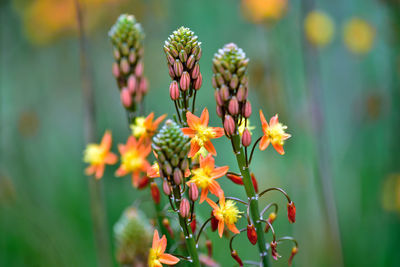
(192, 120)
(210, 148)
(212, 204)
(156, 239)
(220, 228)
(120, 172)
(159, 120)
(189, 132)
(187, 173)
(279, 148)
(233, 228)
(205, 117)
(90, 170)
(106, 141)
(219, 172)
(218, 132)
(222, 199)
(162, 244)
(135, 179)
(111, 158)
(264, 143)
(207, 162)
(168, 259)
(122, 149)
(149, 119)
(99, 171)
(215, 188)
(273, 120)
(131, 141)
(262, 118)
(194, 148)
(204, 193)
(286, 136)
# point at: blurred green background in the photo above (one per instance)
(338, 93)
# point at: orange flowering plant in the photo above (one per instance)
(184, 155)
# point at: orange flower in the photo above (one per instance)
(204, 177)
(145, 127)
(157, 257)
(274, 133)
(133, 158)
(98, 155)
(226, 213)
(200, 133)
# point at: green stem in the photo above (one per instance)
(187, 231)
(251, 194)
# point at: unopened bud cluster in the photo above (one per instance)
(127, 38)
(183, 53)
(231, 86)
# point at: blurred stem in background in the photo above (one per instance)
(95, 186)
(322, 168)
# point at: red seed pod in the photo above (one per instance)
(195, 70)
(185, 81)
(190, 62)
(131, 83)
(294, 252)
(235, 178)
(144, 85)
(143, 182)
(246, 137)
(252, 234)
(193, 192)
(246, 110)
(139, 69)
(274, 252)
(271, 219)
(229, 125)
(178, 68)
(233, 106)
(171, 71)
(166, 188)
(254, 180)
(209, 247)
(219, 111)
(155, 193)
(193, 224)
(167, 225)
(218, 98)
(184, 208)
(178, 176)
(291, 210)
(115, 70)
(236, 257)
(174, 90)
(214, 222)
(126, 97)
(224, 91)
(198, 82)
(124, 65)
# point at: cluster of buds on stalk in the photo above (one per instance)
(183, 52)
(127, 39)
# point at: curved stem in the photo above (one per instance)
(272, 228)
(234, 199)
(267, 207)
(252, 149)
(201, 229)
(233, 237)
(276, 189)
(288, 238)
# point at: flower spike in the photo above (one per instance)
(157, 257)
(274, 133)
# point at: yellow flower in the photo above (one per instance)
(274, 133)
(242, 127)
(319, 28)
(358, 36)
(264, 10)
(145, 127)
(157, 255)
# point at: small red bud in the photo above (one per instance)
(193, 224)
(235, 178)
(132, 57)
(115, 70)
(246, 109)
(198, 82)
(193, 192)
(233, 106)
(294, 252)
(252, 234)
(271, 219)
(218, 98)
(126, 97)
(155, 193)
(167, 225)
(234, 81)
(132, 83)
(229, 125)
(166, 188)
(174, 90)
(196, 70)
(274, 252)
(170, 59)
(143, 182)
(236, 257)
(184, 208)
(214, 222)
(291, 210)
(185, 81)
(209, 247)
(254, 180)
(246, 137)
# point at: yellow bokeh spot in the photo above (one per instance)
(319, 28)
(264, 10)
(358, 36)
(94, 154)
(132, 161)
(138, 128)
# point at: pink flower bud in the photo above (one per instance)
(139, 69)
(183, 55)
(224, 91)
(214, 81)
(173, 52)
(220, 79)
(219, 111)
(229, 125)
(115, 70)
(234, 82)
(174, 90)
(184, 208)
(193, 192)
(171, 71)
(246, 110)
(178, 68)
(117, 54)
(233, 106)
(166, 188)
(196, 70)
(198, 82)
(170, 59)
(132, 56)
(124, 64)
(155, 193)
(185, 81)
(177, 176)
(252, 234)
(144, 85)
(126, 97)
(199, 54)
(132, 83)
(218, 98)
(190, 62)
(246, 138)
(291, 210)
(241, 93)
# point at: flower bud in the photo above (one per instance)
(271, 219)
(173, 51)
(220, 79)
(219, 111)
(143, 182)
(224, 91)
(126, 97)
(170, 59)
(246, 138)
(254, 180)
(214, 82)
(246, 110)
(184, 208)
(132, 83)
(229, 125)
(139, 69)
(252, 234)
(167, 168)
(241, 93)
(233, 106)
(178, 68)
(193, 192)
(183, 55)
(124, 65)
(174, 90)
(177, 176)
(117, 54)
(234, 82)
(115, 70)
(209, 247)
(193, 224)
(184, 164)
(195, 70)
(198, 56)
(294, 252)
(166, 188)
(291, 210)
(214, 222)
(167, 226)
(198, 82)
(155, 193)
(236, 257)
(185, 81)
(190, 62)
(274, 252)
(171, 71)
(218, 98)
(235, 178)
(144, 85)
(132, 56)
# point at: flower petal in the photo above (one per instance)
(218, 132)
(168, 259)
(156, 238)
(278, 148)
(219, 172)
(135, 179)
(192, 120)
(159, 120)
(212, 204)
(220, 228)
(106, 140)
(233, 228)
(215, 188)
(210, 148)
(205, 117)
(207, 162)
(273, 120)
(111, 158)
(262, 118)
(162, 244)
(90, 170)
(194, 148)
(264, 143)
(203, 196)
(99, 171)
(189, 132)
